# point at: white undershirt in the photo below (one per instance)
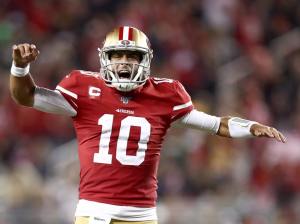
(52, 101)
(201, 121)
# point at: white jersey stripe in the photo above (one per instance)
(73, 103)
(178, 107)
(67, 92)
(126, 33)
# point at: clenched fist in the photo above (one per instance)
(23, 54)
(260, 130)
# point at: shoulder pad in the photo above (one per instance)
(89, 73)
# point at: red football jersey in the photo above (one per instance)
(120, 135)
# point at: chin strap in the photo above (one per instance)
(125, 87)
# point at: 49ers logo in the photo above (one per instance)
(126, 43)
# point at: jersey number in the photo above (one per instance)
(103, 156)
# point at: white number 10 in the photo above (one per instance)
(103, 155)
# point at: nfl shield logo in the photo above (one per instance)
(125, 99)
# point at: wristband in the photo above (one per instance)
(240, 128)
(19, 72)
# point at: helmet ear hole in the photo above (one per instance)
(109, 55)
(140, 56)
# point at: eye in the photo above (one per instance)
(134, 56)
(116, 55)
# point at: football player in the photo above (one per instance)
(121, 115)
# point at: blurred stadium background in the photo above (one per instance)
(238, 57)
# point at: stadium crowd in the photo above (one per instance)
(203, 179)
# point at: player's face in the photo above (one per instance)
(125, 63)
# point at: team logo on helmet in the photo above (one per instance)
(126, 42)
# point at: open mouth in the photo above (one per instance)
(124, 74)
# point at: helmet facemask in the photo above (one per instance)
(135, 41)
(137, 75)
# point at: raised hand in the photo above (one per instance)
(23, 54)
(260, 130)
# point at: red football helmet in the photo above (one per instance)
(130, 39)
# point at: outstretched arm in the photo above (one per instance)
(232, 127)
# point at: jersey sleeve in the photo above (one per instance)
(68, 87)
(182, 102)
